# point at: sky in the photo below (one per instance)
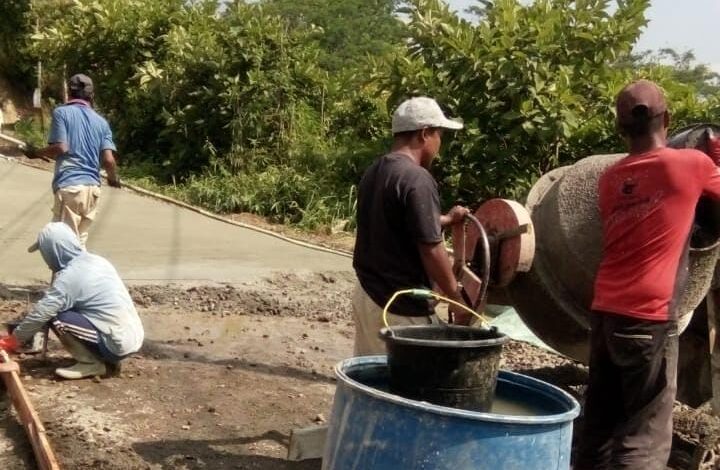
(673, 24)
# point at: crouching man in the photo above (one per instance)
(88, 307)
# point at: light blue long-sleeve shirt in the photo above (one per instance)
(87, 284)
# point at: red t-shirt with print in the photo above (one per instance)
(647, 205)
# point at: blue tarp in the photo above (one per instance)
(509, 322)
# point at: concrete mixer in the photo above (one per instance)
(542, 258)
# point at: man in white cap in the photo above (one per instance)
(399, 243)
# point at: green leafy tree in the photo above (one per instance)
(351, 30)
(191, 87)
(525, 78)
(105, 39)
(15, 64)
(683, 68)
(240, 91)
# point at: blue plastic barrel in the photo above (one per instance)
(372, 429)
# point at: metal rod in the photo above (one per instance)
(485, 244)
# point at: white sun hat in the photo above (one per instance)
(420, 113)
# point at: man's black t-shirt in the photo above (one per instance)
(398, 207)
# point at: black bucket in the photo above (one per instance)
(455, 366)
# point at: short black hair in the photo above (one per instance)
(642, 123)
(406, 134)
(409, 134)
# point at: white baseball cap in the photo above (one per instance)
(420, 113)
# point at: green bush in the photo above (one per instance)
(279, 192)
(29, 130)
(15, 63)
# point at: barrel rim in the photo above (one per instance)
(549, 390)
(388, 335)
(705, 249)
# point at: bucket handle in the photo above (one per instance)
(427, 294)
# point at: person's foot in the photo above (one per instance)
(82, 370)
(113, 369)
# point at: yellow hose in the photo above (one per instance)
(427, 294)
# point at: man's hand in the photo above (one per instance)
(459, 316)
(9, 343)
(108, 163)
(30, 151)
(454, 216)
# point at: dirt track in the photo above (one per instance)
(221, 380)
(225, 374)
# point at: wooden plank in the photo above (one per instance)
(307, 443)
(21, 145)
(44, 455)
(12, 140)
(9, 367)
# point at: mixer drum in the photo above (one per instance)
(553, 298)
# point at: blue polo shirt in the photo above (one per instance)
(86, 134)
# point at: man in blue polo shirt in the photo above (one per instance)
(80, 142)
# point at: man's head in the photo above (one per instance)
(81, 87)
(419, 123)
(58, 245)
(642, 111)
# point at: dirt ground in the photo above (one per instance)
(226, 372)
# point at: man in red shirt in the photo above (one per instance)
(647, 203)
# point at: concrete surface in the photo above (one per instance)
(146, 240)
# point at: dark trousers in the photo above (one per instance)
(630, 395)
(77, 325)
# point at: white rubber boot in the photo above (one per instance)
(88, 364)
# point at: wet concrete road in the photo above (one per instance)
(146, 240)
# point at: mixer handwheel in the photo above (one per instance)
(512, 241)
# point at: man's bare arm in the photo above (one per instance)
(51, 152)
(454, 216)
(110, 166)
(438, 268)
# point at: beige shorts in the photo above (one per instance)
(368, 322)
(77, 207)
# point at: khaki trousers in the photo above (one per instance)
(77, 207)
(368, 322)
